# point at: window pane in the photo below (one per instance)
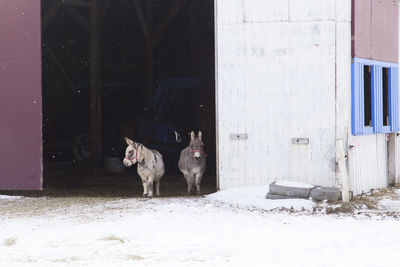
(385, 95)
(367, 96)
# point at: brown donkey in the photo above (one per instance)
(192, 162)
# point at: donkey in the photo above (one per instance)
(192, 162)
(150, 165)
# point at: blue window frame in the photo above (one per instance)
(374, 97)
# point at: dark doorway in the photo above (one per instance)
(155, 82)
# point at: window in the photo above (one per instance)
(374, 97)
(385, 96)
(367, 96)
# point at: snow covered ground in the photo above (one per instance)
(235, 227)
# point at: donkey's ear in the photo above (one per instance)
(140, 148)
(129, 142)
(191, 135)
(200, 135)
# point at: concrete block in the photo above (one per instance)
(289, 191)
(272, 196)
(325, 193)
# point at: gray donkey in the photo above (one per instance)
(192, 162)
(150, 165)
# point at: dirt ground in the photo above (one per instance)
(68, 185)
(65, 185)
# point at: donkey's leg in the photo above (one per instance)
(144, 182)
(158, 186)
(145, 191)
(190, 183)
(198, 177)
(189, 188)
(150, 185)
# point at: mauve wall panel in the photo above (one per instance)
(20, 95)
(375, 30)
(384, 44)
(361, 23)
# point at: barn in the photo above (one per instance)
(305, 106)
(302, 90)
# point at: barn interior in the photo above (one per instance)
(137, 68)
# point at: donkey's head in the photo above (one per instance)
(196, 146)
(131, 153)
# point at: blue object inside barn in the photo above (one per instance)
(164, 136)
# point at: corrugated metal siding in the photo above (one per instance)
(397, 159)
(276, 81)
(367, 163)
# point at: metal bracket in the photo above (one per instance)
(300, 141)
(238, 136)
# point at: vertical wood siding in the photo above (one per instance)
(276, 81)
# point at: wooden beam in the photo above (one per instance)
(55, 5)
(149, 70)
(152, 41)
(78, 17)
(149, 14)
(152, 37)
(95, 84)
(104, 10)
(167, 21)
(392, 158)
(59, 65)
(50, 13)
(147, 23)
(80, 3)
(149, 52)
(142, 21)
(343, 176)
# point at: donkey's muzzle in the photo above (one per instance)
(127, 162)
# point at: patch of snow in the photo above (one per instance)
(294, 184)
(255, 197)
(198, 231)
(391, 204)
(10, 197)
